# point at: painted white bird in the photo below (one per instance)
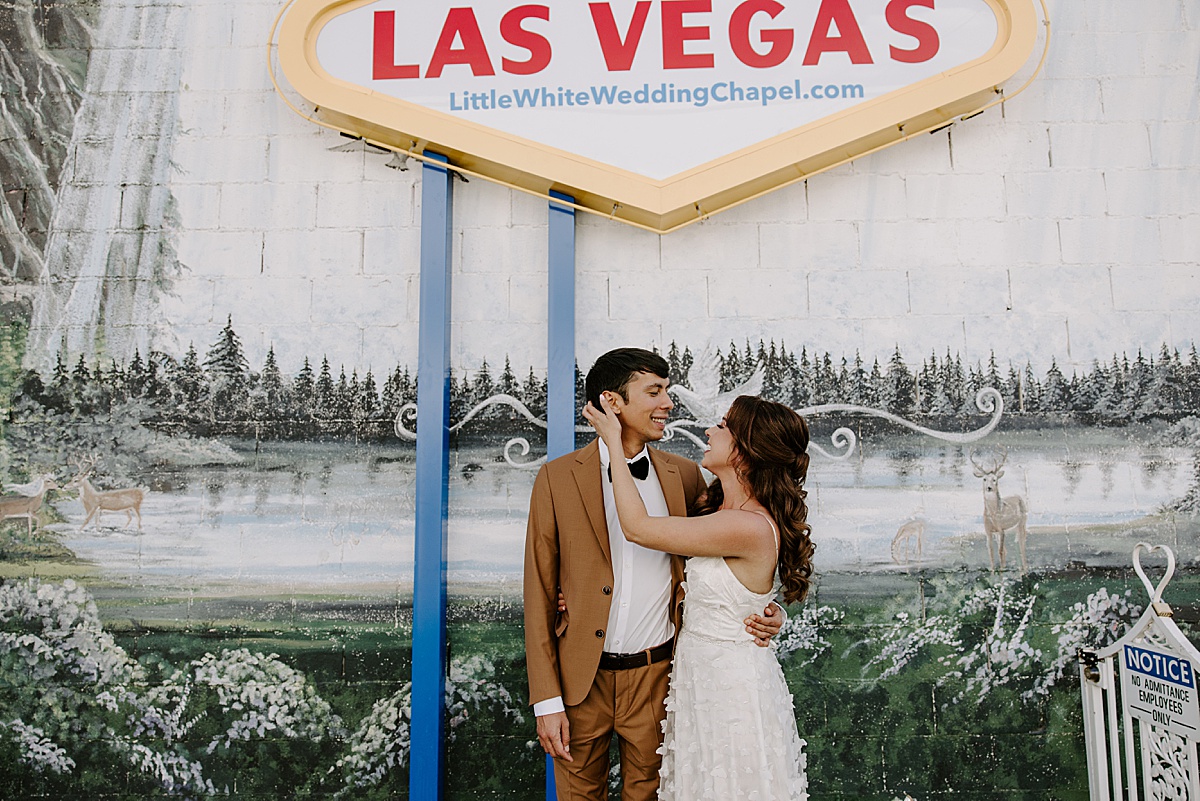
(703, 397)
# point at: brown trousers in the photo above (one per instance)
(631, 703)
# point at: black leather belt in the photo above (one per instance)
(642, 658)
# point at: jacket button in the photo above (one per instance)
(600, 633)
(607, 590)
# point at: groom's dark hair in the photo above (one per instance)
(613, 371)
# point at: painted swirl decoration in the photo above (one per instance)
(843, 440)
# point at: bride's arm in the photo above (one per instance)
(728, 532)
(725, 533)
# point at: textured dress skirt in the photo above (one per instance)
(730, 731)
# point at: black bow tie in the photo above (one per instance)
(640, 467)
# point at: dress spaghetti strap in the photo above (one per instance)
(774, 531)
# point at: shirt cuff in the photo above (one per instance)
(549, 706)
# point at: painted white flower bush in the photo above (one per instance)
(245, 696)
(802, 634)
(1003, 655)
(62, 674)
(68, 691)
(262, 697)
(68, 685)
(174, 771)
(470, 687)
(382, 740)
(1095, 623)
(380, 743)
(37, 750)
(905, 639)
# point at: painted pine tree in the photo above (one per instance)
(57, 391)
(508, 379)
(271, 383)
(366, 405)
(191, 386)
(228, 376)
(1085, 389)
(323, 401)
(900, 394)
(1056, 392)
(1032, 391)
(303, 391)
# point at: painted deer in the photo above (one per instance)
(96, 501)
(29, 500)
(911, 534)
(1001, 514)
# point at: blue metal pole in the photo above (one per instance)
(426, 758)
(560, 397)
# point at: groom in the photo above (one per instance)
(603, 665)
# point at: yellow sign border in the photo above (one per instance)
(659, 205)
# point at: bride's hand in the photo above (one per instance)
(606, 422)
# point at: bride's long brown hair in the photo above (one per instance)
(770, 456)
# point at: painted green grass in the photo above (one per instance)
(866, 738)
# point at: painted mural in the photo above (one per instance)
(206, 527)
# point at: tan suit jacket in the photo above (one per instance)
(566, 545)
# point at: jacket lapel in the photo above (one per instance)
(671, 482)
(591, 492)
(672, 487)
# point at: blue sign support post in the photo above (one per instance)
(560, 396)
(426, 758)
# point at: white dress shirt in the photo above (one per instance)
(639, 617)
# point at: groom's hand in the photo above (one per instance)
(765, 626)
(554, 733)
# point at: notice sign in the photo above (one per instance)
(657, 110)
(1160, 688)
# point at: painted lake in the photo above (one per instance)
(338, 518)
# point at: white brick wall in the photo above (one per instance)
(1063, 223)
(317, 253)
(1044, 195)
(1103, 145)
(1181, 238)
(857, 195)
(391, 251)
(754, 294)
(952, 197)
(1011, 242)
(1154, 288)
(216, 159)
(796, 245)
(1058, 100)
(924, 244)
(1108, 240)
(979, 291)
(221, 254)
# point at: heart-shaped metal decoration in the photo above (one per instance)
(1154, 591)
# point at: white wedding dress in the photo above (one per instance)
(730, 731)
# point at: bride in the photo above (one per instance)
(730, 731)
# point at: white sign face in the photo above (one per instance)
(651, 87)
(653, 112)
(1160, 688)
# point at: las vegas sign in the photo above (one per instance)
(654, 112)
